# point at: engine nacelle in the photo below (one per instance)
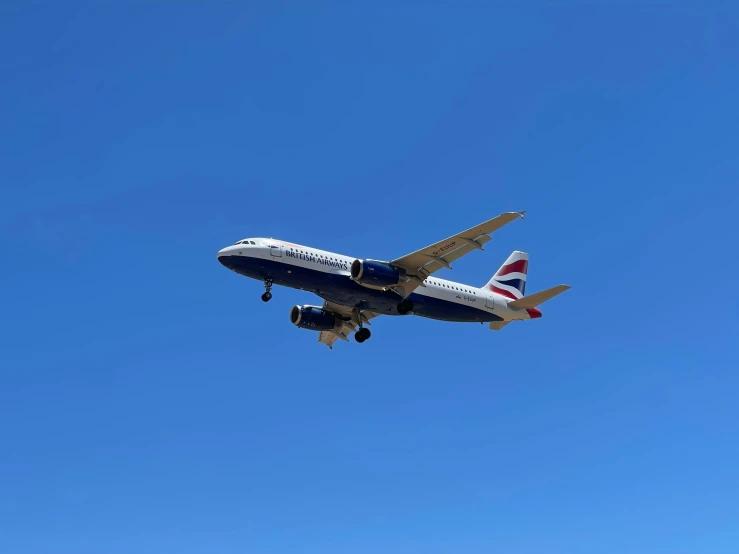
(373, 274)
(313, 317)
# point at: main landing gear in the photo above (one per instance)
(363, 333)
(267, 296)
(405, 306)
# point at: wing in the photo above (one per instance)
(424, 262)
(350, 317)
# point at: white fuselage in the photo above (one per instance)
(328, 275)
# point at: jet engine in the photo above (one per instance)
(376, 275)
(315, 318)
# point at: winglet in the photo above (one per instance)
(520, 214)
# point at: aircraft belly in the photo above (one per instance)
(339, 288)
(445, 310)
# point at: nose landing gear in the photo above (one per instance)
(267, 296)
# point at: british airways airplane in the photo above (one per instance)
(355, 290)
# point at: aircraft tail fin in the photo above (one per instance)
(510, 279)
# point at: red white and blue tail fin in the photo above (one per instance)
(510, 279)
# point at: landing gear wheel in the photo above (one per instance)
(362, 335)
(405, 306)
(267, 296)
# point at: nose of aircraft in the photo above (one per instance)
(224, 255)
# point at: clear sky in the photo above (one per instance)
(151, 403)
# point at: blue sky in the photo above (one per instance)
(150, 402)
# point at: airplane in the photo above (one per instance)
(355, 290)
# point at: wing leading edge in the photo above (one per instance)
(422, 263)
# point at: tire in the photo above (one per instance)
(266, 297)
(405, 307)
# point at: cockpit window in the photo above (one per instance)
(254, 243)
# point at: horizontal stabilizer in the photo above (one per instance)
(533, 300)
(498, 325)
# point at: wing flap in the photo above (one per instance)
(330, 337)
(350, 323)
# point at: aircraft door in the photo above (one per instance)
(275, 250)
(489, 301)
